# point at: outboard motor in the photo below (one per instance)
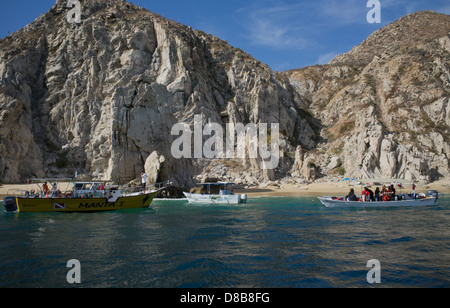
(244, 199)
(10, 204)
(433, 194)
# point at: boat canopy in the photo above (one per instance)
(64, 180)
(50, 180)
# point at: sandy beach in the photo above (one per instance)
(315, 189)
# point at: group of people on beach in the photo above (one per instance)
(385, 194)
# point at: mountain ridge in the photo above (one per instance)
(399, 89)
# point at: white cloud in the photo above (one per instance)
(308, 31)
(274, 26)
(296, 25)
(343, 12)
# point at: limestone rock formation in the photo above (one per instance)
(100, 97)
(384, 106)
(153, 166)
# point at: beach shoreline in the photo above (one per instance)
(290, 190)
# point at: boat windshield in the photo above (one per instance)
(224, 188)
(87, 186)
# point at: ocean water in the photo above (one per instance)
(268, 243)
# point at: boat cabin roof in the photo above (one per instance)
(217, 184)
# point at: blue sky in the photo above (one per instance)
(285, 34)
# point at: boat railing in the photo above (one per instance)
(20, 193)
(130, 189)
(162, 185)
(17, 193)
(127, 189)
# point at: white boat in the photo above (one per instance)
(225, 196)
(430, 199)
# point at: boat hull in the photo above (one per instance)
(27, 205)
(213, 199)
(331, 202)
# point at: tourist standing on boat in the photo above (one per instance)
(45, 189)
(144, 181)
(413, 195)
(377, 194)
(371, 195)
(394, 194)
(54, 189)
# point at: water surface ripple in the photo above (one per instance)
(268, 243)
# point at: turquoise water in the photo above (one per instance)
(268, 243)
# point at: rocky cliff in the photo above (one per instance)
(384, 106)
(101, 98)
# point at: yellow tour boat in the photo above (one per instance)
(85, 197)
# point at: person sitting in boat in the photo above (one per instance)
(388, 195)
(383, 190)
(365, 195)
(393, 190)
(351, 196)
